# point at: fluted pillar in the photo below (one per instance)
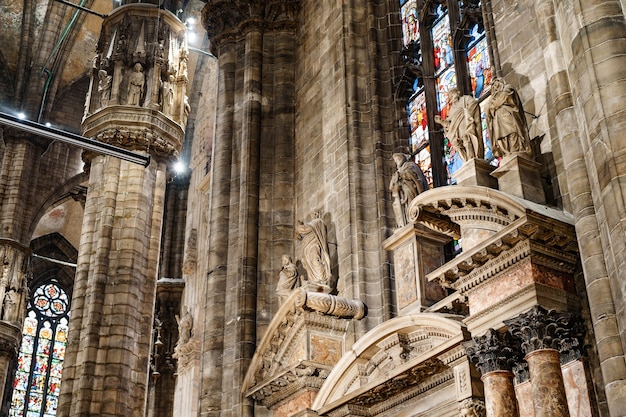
(494, 354)
(115, 286)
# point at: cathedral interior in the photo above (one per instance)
(372, 208)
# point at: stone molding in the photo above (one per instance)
(548, 245)
(421, 348)
(493, 351)
(540, 328)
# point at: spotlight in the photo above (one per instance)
(179, 167)
(21, 115)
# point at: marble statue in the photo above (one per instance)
(136, 86)
(9, 310)
(287, 279)
(185, 326)
(315, 255)
(104, 87)
(506, 122)
(406, 183)
(168, 96)
(462, 126)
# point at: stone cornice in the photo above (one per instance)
(550, 245)
(289, 383)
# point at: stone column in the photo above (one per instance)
(494, 354)
(115, 287)
(14, 275)
(542, 333)
(590, 34)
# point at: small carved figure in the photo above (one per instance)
(505, 118)
(104, 87)
(182, 63)
(168, 95)
(472, 408)
(9, 311)
(406, 183)
(136, 85)
(315, 255)
(462, 126)
(185, 327)
(287, 279)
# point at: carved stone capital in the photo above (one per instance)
(539, 328)
(494, 351)
(472, 407)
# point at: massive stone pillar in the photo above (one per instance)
(251, 206)
(141, 58)
(494, 354)
(14, 275)
(570, 41)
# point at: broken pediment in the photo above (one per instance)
(304, 341)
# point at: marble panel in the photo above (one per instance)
(405, 272)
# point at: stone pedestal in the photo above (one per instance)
(476, 172)
(521, 177)
(416, 252)
(500, 398)
(547, 383)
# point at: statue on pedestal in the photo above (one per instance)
(406, 183)
(315, 255)
(463, 127)
(506, 122)
(136, 86)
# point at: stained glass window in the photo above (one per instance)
(451, 38)
(36, 386)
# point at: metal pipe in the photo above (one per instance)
(84, 9)
(73, 139)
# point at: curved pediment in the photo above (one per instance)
(400, 353)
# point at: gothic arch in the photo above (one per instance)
(393, 362)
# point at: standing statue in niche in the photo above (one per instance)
(104, 87)
(168, 96)
(506, 122)
(136, 85)
(462, 126)
(315, 255)
(185, 327)
(9, 310)
(406, 183)
(287, 279)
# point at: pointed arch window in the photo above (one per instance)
(37, 379)
(445, 47)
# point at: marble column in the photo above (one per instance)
(543, 334)
(494, 354)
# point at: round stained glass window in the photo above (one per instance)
(50, 300)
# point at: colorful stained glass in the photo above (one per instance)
(452, 160)
(410, 22)
(445, 82)
(36, 386)
(442, 44)
(479, 66)
(422, 158)
(418, 121)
